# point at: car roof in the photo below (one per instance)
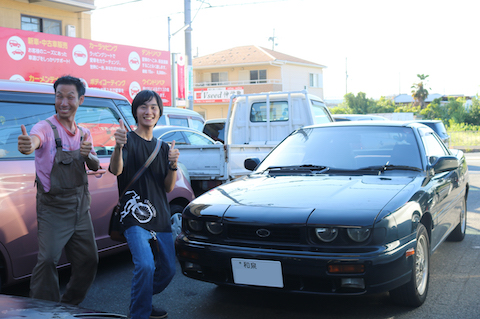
(222, 120)
(47, 88)
(180, 111)
(370, 123)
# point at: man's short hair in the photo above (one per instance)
(70, 80)
(145, 96)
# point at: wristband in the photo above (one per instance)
(171, 168)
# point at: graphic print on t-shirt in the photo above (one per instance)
(142, 211)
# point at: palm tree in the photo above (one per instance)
(419, 92)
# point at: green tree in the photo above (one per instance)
(359, 104)
(383, 105)
(419, 92)
(473, 114)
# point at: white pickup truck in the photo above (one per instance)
(251, 132)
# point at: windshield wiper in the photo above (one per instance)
(388, 167)
(297, 168)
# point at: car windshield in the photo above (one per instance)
(345, 148)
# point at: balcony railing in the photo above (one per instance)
(238, 83)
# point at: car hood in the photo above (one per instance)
(318, 199)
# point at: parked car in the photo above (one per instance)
(439, 128)
(343, 208)
(195, 156)
(27, 103)
(357, 117)
(215, 128)
(23, 307)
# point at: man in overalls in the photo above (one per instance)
(63, 201)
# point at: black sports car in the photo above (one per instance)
(343, 208)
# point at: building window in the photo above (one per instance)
(258, 76)
(41, 25)
(315, 80)
(219, 78)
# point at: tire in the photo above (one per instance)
(176, 219)
(458, 234)
(414, 292)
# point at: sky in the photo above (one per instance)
(381, 44)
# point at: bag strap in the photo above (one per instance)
(142, 169)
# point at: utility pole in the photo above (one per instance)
(346, 77)
(273, 40)
(173, 69)
(188, 53)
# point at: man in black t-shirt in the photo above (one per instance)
(144, 212)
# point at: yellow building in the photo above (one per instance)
(61, 17)
(249, 69)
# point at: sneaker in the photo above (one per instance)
(158, 313)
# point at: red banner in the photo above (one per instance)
(42, 57)
(181, 77)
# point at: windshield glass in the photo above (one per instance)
(349, 148)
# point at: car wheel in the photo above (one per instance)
(176, 219)
(458, 234)
(415, 291)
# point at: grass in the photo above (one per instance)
(464, 139)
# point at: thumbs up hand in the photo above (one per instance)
(25, 143)
(173, 155)
(121, 135)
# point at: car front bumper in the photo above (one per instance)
(296, 271)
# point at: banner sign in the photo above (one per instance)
(42, 57)
(217, 95)
(181, 77)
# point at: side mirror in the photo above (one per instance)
(251, 163)
(444, 164)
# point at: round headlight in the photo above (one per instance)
(195, 225)
(214, 227)
(358, 234)
(326, 234)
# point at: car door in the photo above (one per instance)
(444, 189)
(200, 155)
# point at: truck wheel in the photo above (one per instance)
(414, 292)
(458, 234)
(176, 219)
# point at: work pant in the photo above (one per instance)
(64, 222)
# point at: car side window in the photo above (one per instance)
(12, 116)
(197, 124)
(432, 145)
(197, 139)
(176, 136)
(102, 123)
(320, 115)
(177, 121)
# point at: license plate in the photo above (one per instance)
(266, 273)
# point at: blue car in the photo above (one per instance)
(345, 208)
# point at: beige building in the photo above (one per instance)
(61, 17)
(249, 69)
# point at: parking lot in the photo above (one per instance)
(454, 282)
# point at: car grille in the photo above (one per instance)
(275, 234)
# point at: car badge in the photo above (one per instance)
(262, 232)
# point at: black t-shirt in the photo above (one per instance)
(145, 203)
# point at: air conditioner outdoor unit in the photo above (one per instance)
(70, 30)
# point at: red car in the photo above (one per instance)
(18, 220)
(14, 43)
(18, 51)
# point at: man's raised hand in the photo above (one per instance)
(25, 143)
(121, 135)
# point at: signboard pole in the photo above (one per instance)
(188, 53)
